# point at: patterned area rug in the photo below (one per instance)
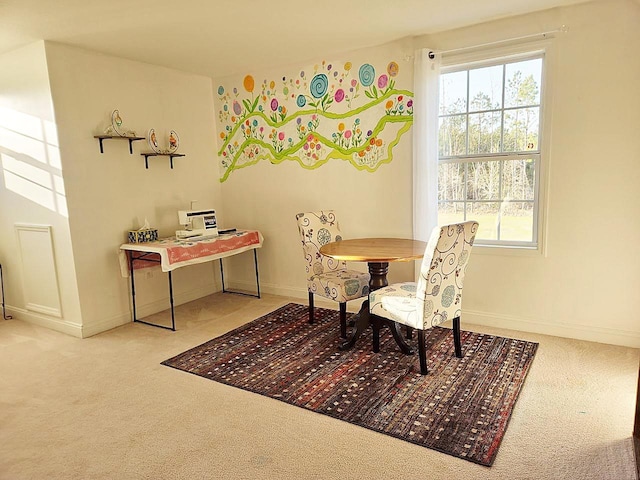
(461, 407)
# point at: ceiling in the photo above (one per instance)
(222, 37)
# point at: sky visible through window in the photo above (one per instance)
(485, 81)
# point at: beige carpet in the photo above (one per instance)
(104, 408)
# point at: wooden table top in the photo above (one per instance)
(375, 250)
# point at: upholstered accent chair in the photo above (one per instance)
(437, 296)
(326, 276)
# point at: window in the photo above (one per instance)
(489, 148)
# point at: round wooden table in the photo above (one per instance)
(377, 252)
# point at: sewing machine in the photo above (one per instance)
(198, 224)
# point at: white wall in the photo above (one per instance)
(586, 284)
(110, 193)
(268, 196)
(32, 190)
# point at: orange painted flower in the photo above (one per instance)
(379, 142)
(361, 153)
(392, 69)
(389, 104)
(249, 83)
(340, 127)
(222, 135)
(272, 84)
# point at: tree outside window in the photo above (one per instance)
(489, 149)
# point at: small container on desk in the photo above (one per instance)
(143, 235)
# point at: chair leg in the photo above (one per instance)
(456, 337)
(375, 325)
(409, 332)
(310, 307)
(343, 320)
(422, 352)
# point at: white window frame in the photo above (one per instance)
(498, 56)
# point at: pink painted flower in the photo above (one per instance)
(354, 82)
(281, 136)
(274, 104)
(339, 95)
(382, 81)
(347, 134)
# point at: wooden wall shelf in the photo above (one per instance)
(101, 138)
(153, 154)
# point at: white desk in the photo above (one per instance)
(172, 253)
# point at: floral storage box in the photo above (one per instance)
(143, 235)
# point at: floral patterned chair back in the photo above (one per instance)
(437, 296)
(327, 276)
(439, 288)
(317, 229)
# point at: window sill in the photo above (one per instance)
(507, 251)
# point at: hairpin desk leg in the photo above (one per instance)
(132, 258)
(173, 317)
(133, 285)
(4, 313)
(255, 262)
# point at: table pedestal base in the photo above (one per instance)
(377, 252)
(362, 323)
(378, 272)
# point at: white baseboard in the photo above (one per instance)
(146, 309)
(612, 336)
(70, 328)
(269, 288)
(93, 328)
(298, 293)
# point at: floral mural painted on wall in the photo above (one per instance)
(331, 111)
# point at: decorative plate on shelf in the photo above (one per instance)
(153, 141)
(174, 141)
(116, 123)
